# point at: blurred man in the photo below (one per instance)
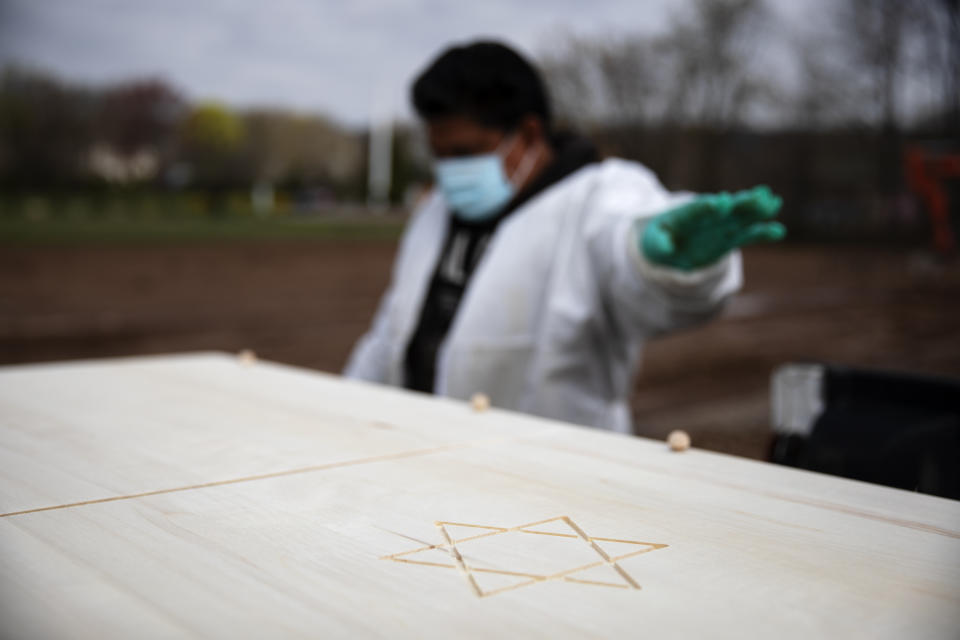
(535, 272)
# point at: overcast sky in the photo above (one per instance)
(350, 59)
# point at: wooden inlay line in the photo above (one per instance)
(603, 554)
(459, 559)
(265, 476)
(689, 474)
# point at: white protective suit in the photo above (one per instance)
(554, 318)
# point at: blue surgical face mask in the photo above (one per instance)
(477, 187)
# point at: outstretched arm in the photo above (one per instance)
(676, 264)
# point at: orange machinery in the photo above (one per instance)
(927, 175)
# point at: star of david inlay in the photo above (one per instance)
(563, 526)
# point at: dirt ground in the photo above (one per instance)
(306, 303)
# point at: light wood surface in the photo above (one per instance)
(285, 503)
(89, 430)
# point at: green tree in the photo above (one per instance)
(211, 140)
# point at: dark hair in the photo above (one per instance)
(487, 82)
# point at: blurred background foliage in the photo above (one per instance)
(830, 127)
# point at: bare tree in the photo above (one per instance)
(572, 75)
(700, 72)
(137, 115)
(873, 32)
(938, 24)
(711, 52)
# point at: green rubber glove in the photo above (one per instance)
(705, 229)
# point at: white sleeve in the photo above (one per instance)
(643, 297)
(687, 297)
(370, 359)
